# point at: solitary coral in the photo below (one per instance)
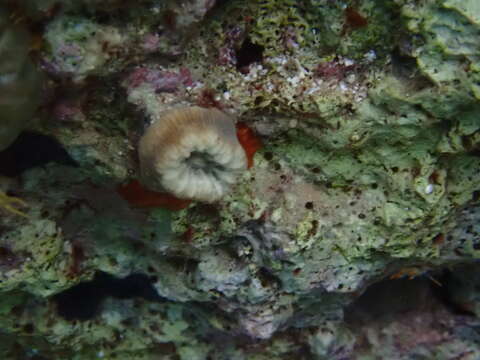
(193, 153)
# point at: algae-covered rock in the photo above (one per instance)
(354, 235)
(19, 81)
(80, 47)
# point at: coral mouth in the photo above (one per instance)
(203, 161)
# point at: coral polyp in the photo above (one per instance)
(193, 153)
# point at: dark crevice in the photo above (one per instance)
(32, 149)
(83, 301)
(248, 54)
(405, 67)
(389, 299)
(444, 293)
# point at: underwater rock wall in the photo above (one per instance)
(368, 115)
(19, 81)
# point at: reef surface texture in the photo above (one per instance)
(354, 234)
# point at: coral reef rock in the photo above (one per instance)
(354, 234)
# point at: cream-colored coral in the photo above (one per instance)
(193, 153)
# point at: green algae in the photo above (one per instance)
(39, 266)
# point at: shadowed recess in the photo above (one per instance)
(32, 149)
(83, 301)
(248, 53)
(389, 299)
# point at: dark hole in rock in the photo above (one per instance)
(388, 300)
(170, 19)
(28, 328)
(248, 53)
(405, 67)
(309, 205)
(267, 278)
(32, 149)
(83, 301)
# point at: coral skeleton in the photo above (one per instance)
(193, 153)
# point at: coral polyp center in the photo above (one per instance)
(192, 153)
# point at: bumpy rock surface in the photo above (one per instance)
(354, 235)
(19, 81)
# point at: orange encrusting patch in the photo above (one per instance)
(354, 19)
(138, 196)
(250, 142)
(406, 272)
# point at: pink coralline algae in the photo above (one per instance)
(227, 53)
(333, 70)
(68, 111)
(150, 42)
(161, 81)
